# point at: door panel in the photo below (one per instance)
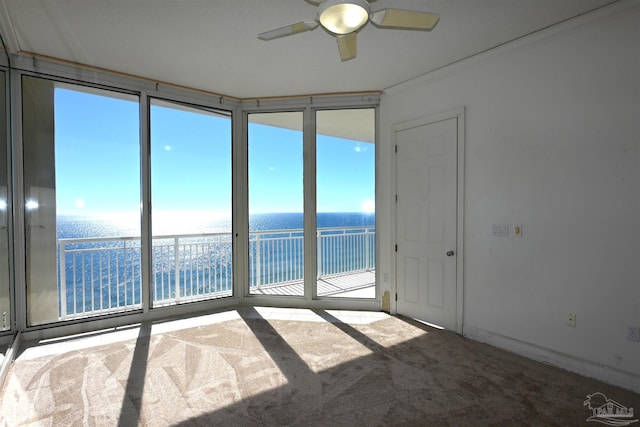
(435, 279)
(435, 206)
(412, 278)
(426, 222)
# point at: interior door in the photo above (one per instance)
(426, 213)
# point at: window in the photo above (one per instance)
(276, 204)
(82, 201)
(345, 203)
(191, 203)
(344, 249)
(308, 209)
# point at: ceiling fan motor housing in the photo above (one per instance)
(344, 16)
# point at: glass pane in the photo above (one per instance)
(191, 203)
(345, 196)
(82, 201)
(5, 301)
(276, 203)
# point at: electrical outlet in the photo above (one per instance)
(517, 230)
(571, 319)
(633, 333)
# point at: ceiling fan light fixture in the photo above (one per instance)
(343, 16)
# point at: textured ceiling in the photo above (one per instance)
(212, 44)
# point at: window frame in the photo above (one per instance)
(5, 145)
(145, 89)
(309, 106)
(168, 103)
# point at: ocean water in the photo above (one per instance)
(104, 273)
(89, 227)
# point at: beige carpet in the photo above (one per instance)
(254, 372)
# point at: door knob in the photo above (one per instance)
(450, 253)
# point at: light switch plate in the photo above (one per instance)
(499, 230)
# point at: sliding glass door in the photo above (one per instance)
(276, 204)
(83, 184)
(82, 200)
(343, 249)
(345, 203)
(191, 203)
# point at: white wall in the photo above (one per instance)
(553, 143)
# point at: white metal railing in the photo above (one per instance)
(99, 275)
(275, 257)
(341, 250)
(191, 267)
(102, 275)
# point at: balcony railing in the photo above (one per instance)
(102, 275)
(99, 275)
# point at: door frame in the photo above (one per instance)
(459, 114)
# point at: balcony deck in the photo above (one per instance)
(348, 285)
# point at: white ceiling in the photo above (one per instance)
(212, 44)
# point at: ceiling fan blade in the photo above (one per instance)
(289, 30)
(347, 46)
(405, 19)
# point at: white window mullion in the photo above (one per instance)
(19, 240)
(146, 245)
(240, 206)
(310, 261)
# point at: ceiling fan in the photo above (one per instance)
(344, 18)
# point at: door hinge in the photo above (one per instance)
(396, 148)
(396, 248)
(396, 297)
(396, 198)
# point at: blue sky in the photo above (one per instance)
(98, 162)
(97, 153)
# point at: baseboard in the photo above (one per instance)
(580, 366)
